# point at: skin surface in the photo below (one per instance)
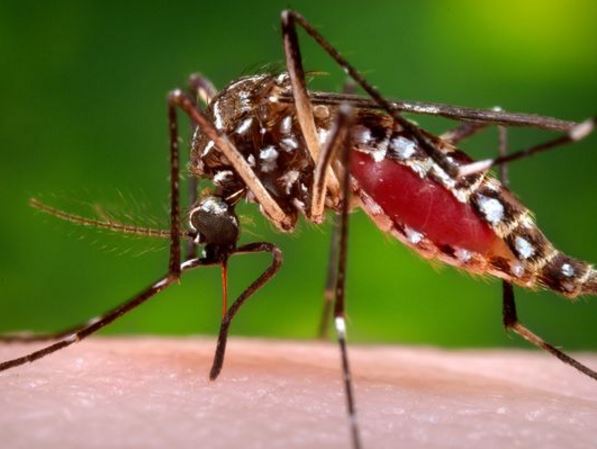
(154, 393)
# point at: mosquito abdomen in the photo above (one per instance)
(474, 223)
(424, 207)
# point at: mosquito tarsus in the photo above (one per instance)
(309, 144)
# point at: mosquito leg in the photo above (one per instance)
(339, 305)
(174, 262)
(294, 64)
(511, 322)
(302, 103)
(330, 280)
(337, 140)
(289, 21)
(271, 208)
(260, 247)
(577, 133)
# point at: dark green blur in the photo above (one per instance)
(83, 117)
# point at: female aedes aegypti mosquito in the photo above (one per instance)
(266, 139)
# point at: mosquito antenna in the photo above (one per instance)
(105, 223)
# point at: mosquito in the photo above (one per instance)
(268, 140)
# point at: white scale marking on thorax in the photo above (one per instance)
(244, 126)
(268, 156)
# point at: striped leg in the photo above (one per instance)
(330, 281)
(339, 305)
(338, 141)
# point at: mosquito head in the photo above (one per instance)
(216, 225)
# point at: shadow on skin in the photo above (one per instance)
(155, 393)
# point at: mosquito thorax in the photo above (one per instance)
(267, 133)
(214, 222)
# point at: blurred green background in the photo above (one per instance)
(83, 117)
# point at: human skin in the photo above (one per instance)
(155, 393)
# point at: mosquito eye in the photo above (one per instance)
(215, 221)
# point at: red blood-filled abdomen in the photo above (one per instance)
(423, 204)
